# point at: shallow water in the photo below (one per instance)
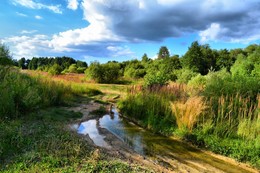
(163, 150)
(90, 127)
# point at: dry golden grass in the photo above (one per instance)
(187, 112)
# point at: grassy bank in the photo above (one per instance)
(221, 115)
(33, 132)
(41, 143)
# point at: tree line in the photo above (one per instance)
(199, 59)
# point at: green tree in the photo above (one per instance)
(103, 73)
(134, 69)
(224, 60)
(163, 52)
(194, 59)
(145, 59)
(81, 64)
(5, 57)
(21, 63)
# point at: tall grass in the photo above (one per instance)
(187, 113)
(21, 93)
(224, 117)
(228, 112)
(151, 106)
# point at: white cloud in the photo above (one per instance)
(114, 22)
(35, 5)
(212, 33)
(73, 4)
(21, 14)
(27, 46)
(38, 17)
(28, 32)
(118, 51)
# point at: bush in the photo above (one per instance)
(198, 81)
(157, 78)
(55, 69)
(184, 75)
(103, 73)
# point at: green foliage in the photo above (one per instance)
(163, 52)
(223, 83)
(184, 75)
(21, 94)
(160, 71)
(103, 73)
(55, 69)
(156, 78)
(242, 66)
(198, 81)
(194, 60)
(151, 108)
(134, 69)
(72, 68)
(241, 150)
(5, 57)
(41, 143)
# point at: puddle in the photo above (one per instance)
(90, 128)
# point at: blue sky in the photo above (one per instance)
(119, 30)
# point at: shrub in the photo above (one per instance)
(184, 75)
(157, 78)
(103, 73)
(55, 69)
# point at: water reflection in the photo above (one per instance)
(128, 133)
(90, 127)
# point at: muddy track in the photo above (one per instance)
(189, 159)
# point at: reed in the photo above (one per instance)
(187, 113)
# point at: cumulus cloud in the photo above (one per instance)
(27, 46)
(73, 4)
(35, 5)
(140, 20)
(212, 33)
(111, 23)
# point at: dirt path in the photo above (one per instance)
(195, 161)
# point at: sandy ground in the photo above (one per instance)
(118, 149)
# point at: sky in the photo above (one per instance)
(107, 30)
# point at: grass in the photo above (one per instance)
(42, 144)
(33, 132)
(187, 113)
(226, 123)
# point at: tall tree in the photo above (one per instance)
(21, 63)
(194, 59)
(5, 57)
(163, 52)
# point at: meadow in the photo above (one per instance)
(33, 132)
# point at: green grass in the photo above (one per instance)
(228, 122)
(33, 128)
(41, 143)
